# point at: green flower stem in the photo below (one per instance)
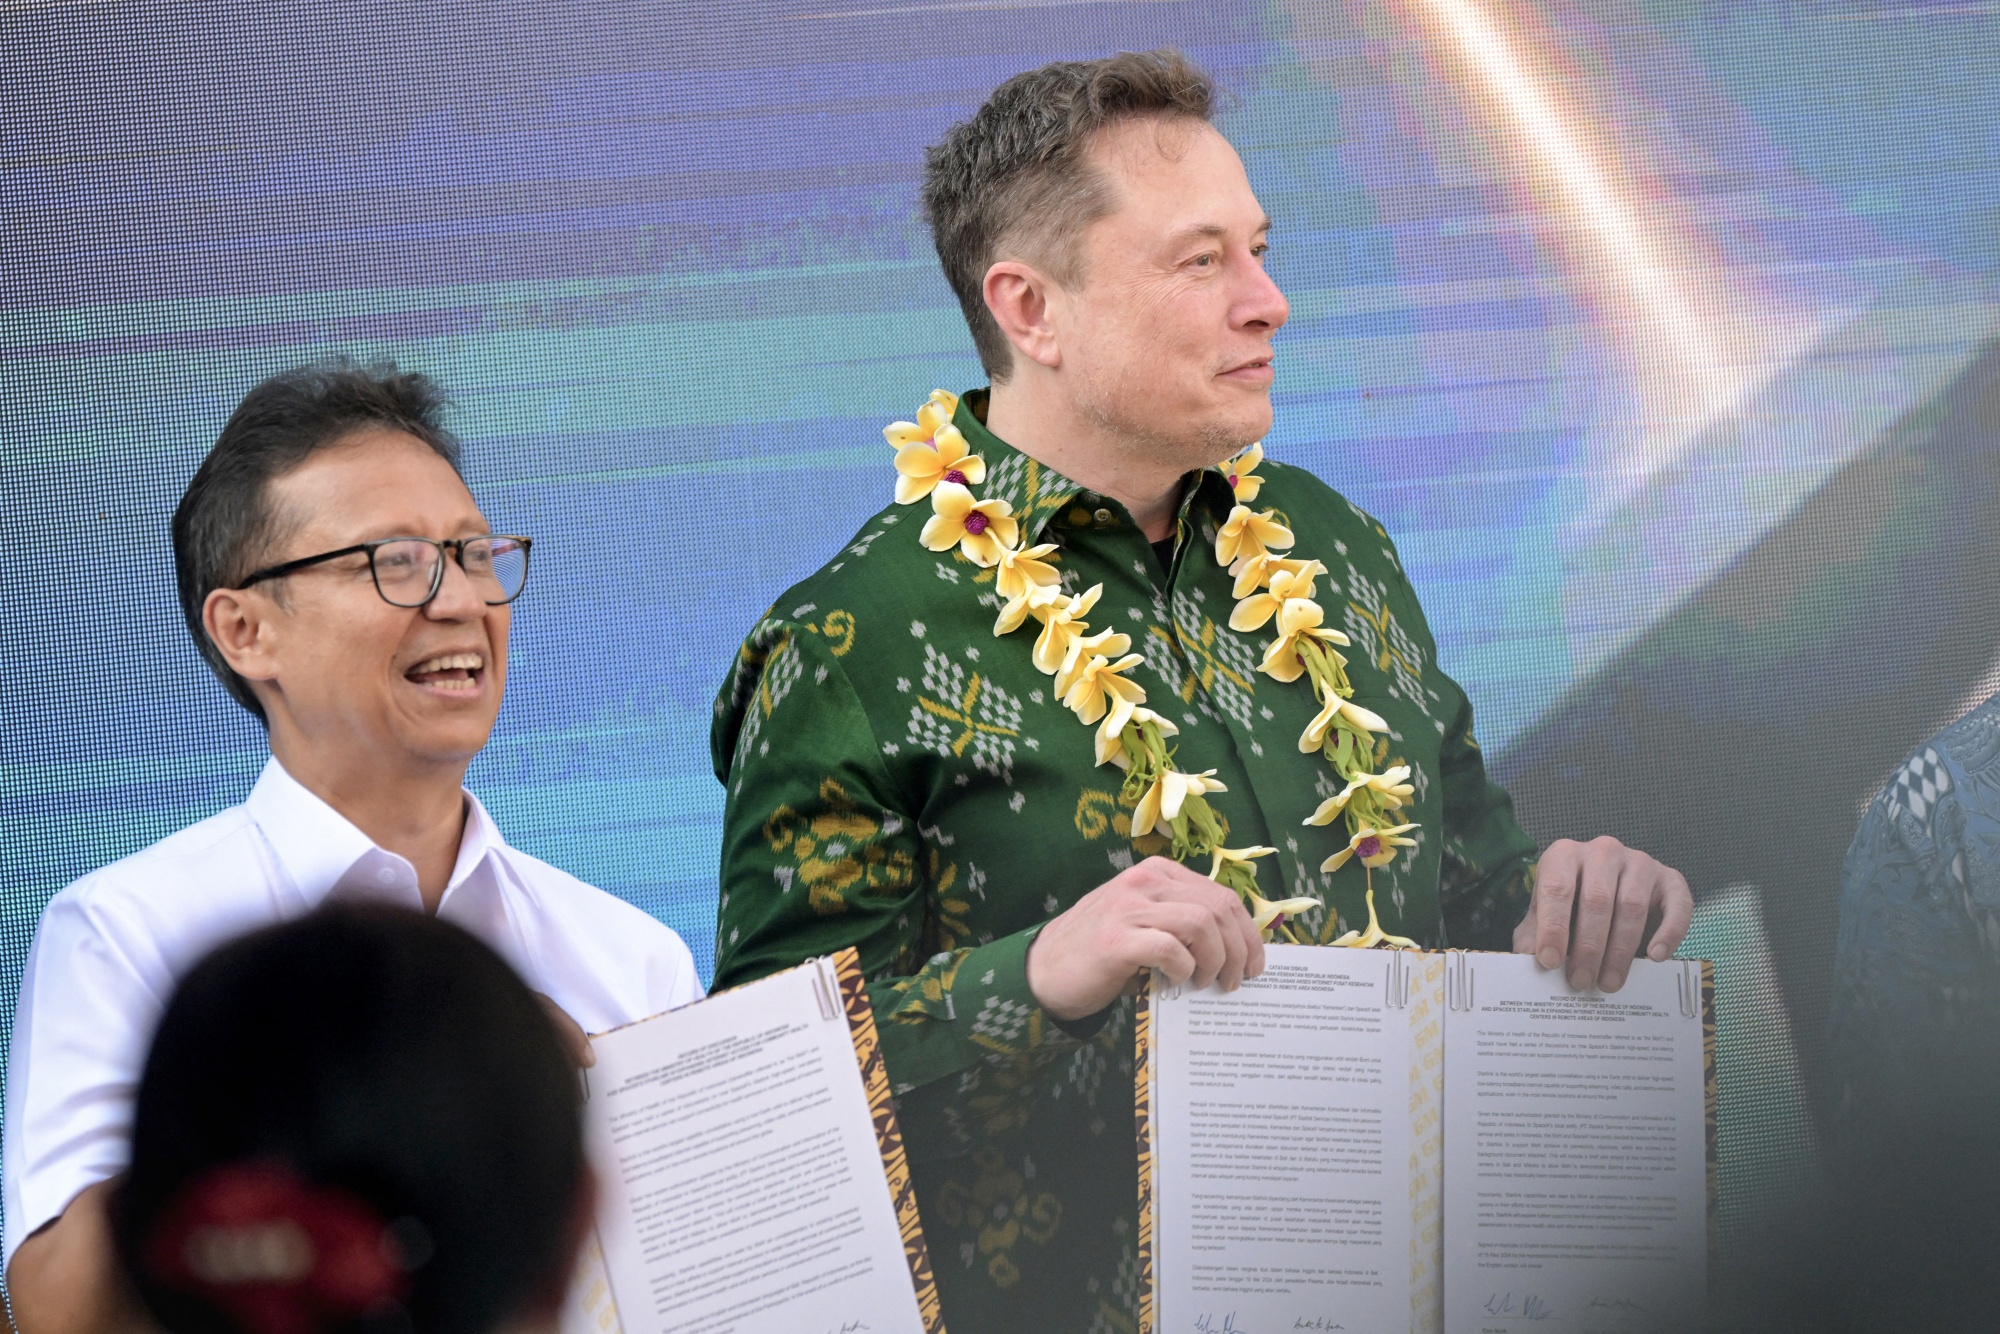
(1326, 667)
(1197, 830)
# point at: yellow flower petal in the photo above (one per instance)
(1334, 713)
(941, 533)
(1111, 742)
(1176, 788)
(1105, 643)
(1146, 815)
(1252, 612)
(935, 415)
(1240, 856)
(1264, 913)
(1246, 536)
(1031, 601)
(1375, 847)
(1063, 624)
(1021, 570)
(1241, 473)
(1098, 688)
(1375, 935)
(951, 501)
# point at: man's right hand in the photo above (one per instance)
(1157, 915)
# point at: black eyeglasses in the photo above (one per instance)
(409, 571)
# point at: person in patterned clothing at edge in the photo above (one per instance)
(903, 779)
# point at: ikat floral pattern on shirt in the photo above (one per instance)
(901, 780)
(1916, 984)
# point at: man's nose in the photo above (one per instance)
(1261, 304)
(458, 598)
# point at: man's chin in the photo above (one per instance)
(431, 746)
(439, 727)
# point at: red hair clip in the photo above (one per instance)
(275, 1252)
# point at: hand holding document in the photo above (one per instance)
(753, 1177)
(1396, 1142)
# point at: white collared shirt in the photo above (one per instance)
(111, 947)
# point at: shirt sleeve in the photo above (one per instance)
(822, 851)
(1910, 977)
(1486, 864)
(81, 1027)
(1486, 870)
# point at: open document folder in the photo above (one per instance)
(1387, 1142)
(752, 1177)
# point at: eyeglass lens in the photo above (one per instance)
(497, 567)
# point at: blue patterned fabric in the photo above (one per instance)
(1917, 976)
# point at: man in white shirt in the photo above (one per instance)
(345, 587)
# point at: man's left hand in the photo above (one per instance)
(574, 1040)
(1599, 903)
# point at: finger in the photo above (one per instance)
(1210, 952)
(574, 1040)
(1194, 926)
(1676, 916)
(1235, 946)
(1253, 954)
(1590, 933)
(1219, 910)
(1163, 952)
(1636, 892)
(1555, 897)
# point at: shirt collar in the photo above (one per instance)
(321, 850)
(1039, 494)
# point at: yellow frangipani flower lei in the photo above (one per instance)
(933, 459)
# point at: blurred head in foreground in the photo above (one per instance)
(355, 1123)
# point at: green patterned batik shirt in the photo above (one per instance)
(902, 781)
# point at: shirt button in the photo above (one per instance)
(386, 875)
(1102, 516)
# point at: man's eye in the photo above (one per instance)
(1204, 261)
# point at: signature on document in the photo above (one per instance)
(1531, 1307)
(1205, 1324)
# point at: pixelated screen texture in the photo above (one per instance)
(1659, 335)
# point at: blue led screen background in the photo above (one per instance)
(1662, 336)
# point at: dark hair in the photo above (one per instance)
(225, 523)
(385, 1061)
(1017, 175)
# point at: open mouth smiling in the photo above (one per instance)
(451, 673)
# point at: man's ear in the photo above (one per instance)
(1019, 297)
(239, 623)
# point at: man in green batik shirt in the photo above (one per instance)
(905, 781)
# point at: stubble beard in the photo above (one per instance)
(1149, 443)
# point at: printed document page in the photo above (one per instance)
(1576, 1170)
(1282, 1148)
(743, 1179)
